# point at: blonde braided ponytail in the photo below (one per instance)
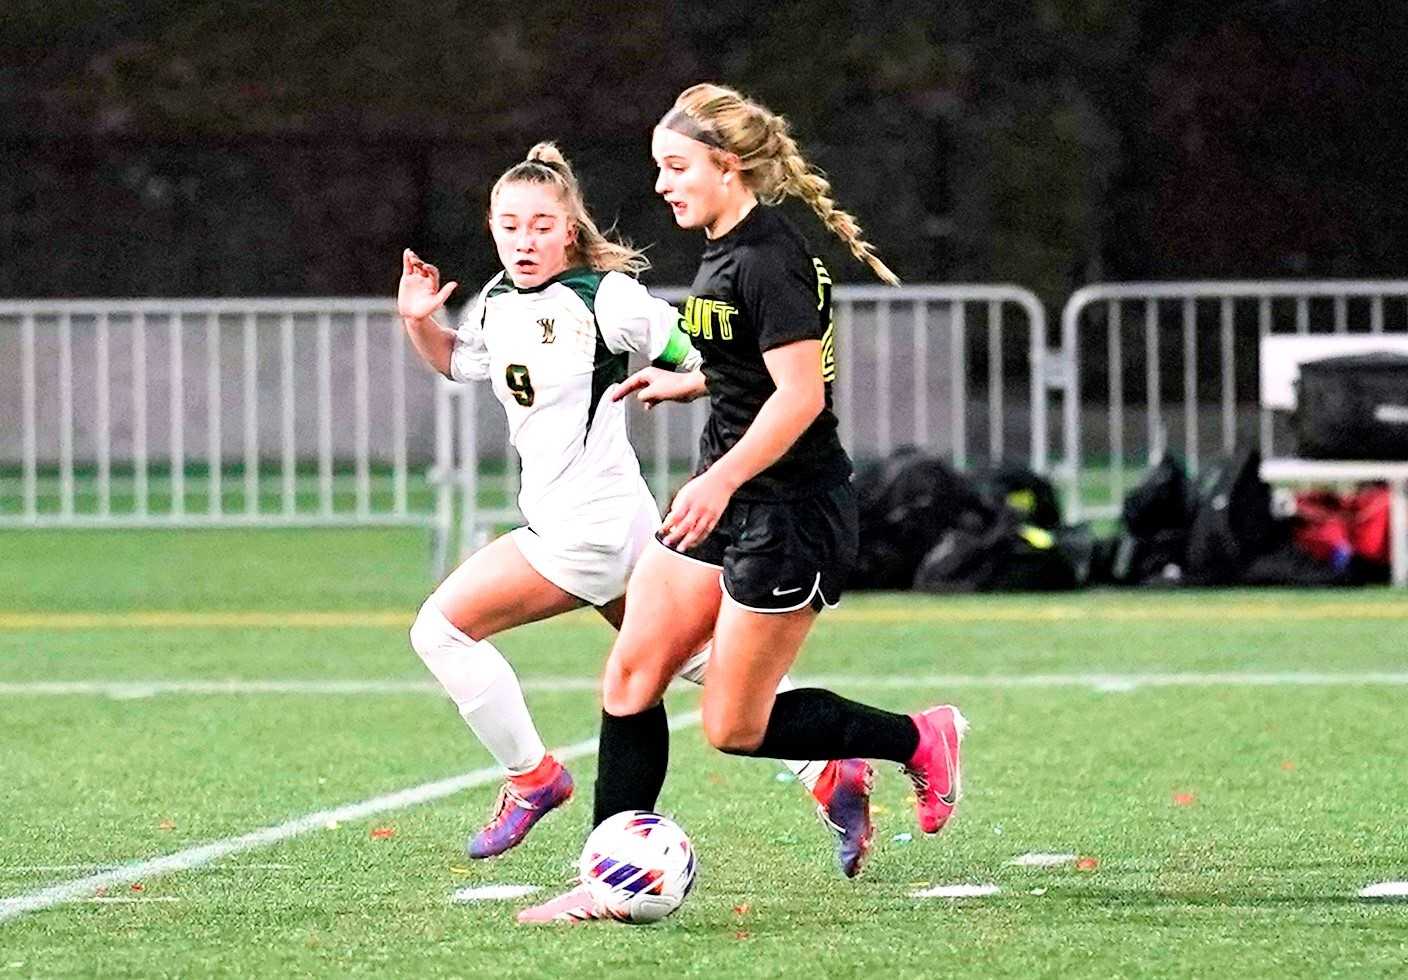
(772, 164)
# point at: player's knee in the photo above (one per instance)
(432, 633)
(423, 629)
(630, 686)
(732, 735)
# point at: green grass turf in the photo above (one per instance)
(1232, 825)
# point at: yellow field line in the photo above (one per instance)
(1161, 612)
(353, 619)
(1154, 612)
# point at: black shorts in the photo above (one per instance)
(782, 555)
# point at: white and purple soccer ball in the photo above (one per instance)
(638, 865)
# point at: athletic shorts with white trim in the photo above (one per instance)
(782, 555)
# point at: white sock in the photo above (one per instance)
(694, 669)
(484, 688)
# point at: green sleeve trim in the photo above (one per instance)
(676, 351)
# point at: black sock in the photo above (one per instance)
(632, 757)
(811, 723)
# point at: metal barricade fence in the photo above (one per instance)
(274, 412)
(270, 412)
(960, 370)
(209, 413)
(1200, 340)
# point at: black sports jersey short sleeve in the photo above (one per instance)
(758, 288)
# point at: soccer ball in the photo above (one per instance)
(638, 866)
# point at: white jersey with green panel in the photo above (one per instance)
(553, 353)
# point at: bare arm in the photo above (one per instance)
(788, 411)
(418, 298)
(800, 397)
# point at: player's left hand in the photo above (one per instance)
(696, 510)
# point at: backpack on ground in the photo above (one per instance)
(1008, 556)
(906, 502)
(1152, 545)
(1030, 495)
(1233, 524)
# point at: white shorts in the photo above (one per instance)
(594, 571)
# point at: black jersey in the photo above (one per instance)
(757, 288)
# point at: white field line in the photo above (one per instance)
(14, 869)
(81, 889)
(492, 893)
(956, 891)
(1096, 681)
(1042, 859)
(151, 688)
(957, 614)
(1385, 889)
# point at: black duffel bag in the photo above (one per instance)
(1353, 407)
(906, 502)
(1007, 556)
(1232, 521)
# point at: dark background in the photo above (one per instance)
(242, 149)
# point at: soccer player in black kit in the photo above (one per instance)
(763, 537)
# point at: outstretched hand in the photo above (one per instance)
(652, 385)
(420, 293)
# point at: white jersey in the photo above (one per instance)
(554, 353)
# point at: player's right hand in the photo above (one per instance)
(420, 293)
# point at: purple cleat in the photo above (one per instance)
(843, 803)
(518, 809)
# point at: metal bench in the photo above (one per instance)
(1281, 358)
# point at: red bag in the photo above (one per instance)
(1322, 527)
(1368, 523)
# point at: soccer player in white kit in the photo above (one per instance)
(552, 333)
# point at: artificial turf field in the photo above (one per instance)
(1229, 766)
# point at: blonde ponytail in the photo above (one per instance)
(547, 152)
(772, 165)
(594, 248)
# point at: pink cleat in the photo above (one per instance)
(843, 803)
(522, 802)
(569, 909)
(934, 769)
